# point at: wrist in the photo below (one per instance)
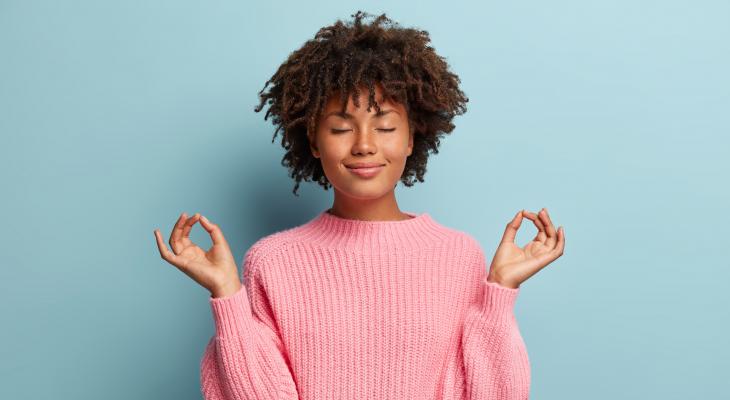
(502, 282)
(226, 290)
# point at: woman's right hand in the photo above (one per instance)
(214, 269)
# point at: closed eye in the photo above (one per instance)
(347, 130)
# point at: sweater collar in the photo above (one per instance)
(328, 230)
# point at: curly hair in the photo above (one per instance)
(340, 59)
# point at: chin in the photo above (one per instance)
(365, 190)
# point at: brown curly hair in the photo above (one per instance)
(344, 56)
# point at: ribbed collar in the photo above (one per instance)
(328, 230)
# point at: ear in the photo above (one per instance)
(313, 145)
(410, 142)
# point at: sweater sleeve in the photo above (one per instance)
(495, 361)
(245, 359)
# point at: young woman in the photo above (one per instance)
(364, 301)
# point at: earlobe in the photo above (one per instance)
(313, 147)
(410, 144)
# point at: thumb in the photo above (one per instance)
(510, 232)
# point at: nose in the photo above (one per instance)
(364, 143)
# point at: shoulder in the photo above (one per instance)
(463, 246)
(472, 243)
(461, 239)
(264, 248)
(466, 251)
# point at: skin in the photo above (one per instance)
(362, 137)
(511, 264)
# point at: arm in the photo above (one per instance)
(245, 359)
(496, 365)
(210, 380)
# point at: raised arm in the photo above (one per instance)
(496, 365)
(245, 359)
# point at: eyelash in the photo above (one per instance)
(345, 130)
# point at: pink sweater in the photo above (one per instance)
(349, 309)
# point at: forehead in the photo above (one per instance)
(334, 102)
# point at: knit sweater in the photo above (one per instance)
(341, 308)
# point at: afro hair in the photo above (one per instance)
(345, 56)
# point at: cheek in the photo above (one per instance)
(331, 155)
(396, 149)
(328, 147)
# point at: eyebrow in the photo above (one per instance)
(349, 116)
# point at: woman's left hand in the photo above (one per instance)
(513, 265)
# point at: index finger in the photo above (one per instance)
(540, 236)
(215, 232)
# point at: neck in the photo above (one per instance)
(397, 216)
(383, 208)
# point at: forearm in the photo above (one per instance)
(495, 358)
(245, 360)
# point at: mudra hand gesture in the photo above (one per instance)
(214, 269)
(513, 265)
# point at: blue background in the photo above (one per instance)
(118, 116)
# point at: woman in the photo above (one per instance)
(364, 301)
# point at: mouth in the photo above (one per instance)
(366, 171)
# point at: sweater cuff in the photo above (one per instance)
(231, 314)
(498, 302)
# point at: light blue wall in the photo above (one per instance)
(117, 116)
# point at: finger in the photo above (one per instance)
(553, 254)
(166, 254)
(560, 247)
(189, 227)
(215, 232)
(540, 236)
(510, 232)
(176, 234)
(549, 229)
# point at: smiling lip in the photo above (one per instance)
(363, 165)
(365, 170)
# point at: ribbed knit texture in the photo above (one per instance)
(350, 309)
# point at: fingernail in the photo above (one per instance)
(203, 218)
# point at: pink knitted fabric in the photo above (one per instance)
(349, 309)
